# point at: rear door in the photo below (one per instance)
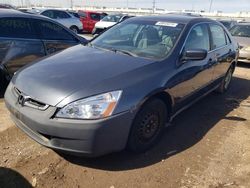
(19, 44)
(54, 36)
(223, 50)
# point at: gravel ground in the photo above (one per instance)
(207, 146)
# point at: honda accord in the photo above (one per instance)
(121, 89)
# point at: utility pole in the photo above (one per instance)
(210, 6)
(71, 4)
(154, 6)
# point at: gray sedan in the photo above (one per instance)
(123, 87)
(241, 33)
(63, 17)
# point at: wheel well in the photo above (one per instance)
(74, 26)
(166, 98)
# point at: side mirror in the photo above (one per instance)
(194, 54)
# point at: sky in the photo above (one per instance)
(221, 5)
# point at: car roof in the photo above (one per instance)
(184, 19)
(89, 11)
(243, 23)
(16, 13)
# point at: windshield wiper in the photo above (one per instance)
(125, 52)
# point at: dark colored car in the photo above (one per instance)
(241, 34)
(124, 86)
(26, 37)
(6, 6)
(228, 23)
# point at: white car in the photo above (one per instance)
(65, 18)
(108, 21)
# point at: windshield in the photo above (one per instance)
(147, 39)
(112, 18)
(241, 31)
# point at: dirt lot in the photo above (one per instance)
(207, 146)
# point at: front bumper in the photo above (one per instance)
(244, 56)
(80, 137)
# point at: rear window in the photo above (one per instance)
(95, 16)
(17, 28)
(112, 18)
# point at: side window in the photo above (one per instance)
(82, 14)
(198, 38)
(61, 15)
(51, 31)
(218, 36)
(49, 13)
(17, 28)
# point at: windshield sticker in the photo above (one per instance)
(168, 24)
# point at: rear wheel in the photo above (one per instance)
(226, 81)
(74, 29)
(148, 126)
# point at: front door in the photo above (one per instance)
(193, 76)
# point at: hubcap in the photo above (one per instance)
(149, 127)
(74, 30)
(228, 79)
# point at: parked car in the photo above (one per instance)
(27, 37)
(228, 23)
(64, 17)
(241, 33)
(121, 89)
(89, 19)
(108, 21)
(6, 6)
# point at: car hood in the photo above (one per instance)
(104, 24)
(78, 68)
(243, 41)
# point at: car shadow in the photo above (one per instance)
(188, 128)
(12, 179)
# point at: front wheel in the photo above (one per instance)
(148, 126)
(226, 81)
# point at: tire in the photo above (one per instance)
(74, 29)
(226, 81)
(3, 84)
(148, 126)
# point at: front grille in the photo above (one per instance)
(25, 100)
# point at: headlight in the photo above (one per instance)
(95, 107)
